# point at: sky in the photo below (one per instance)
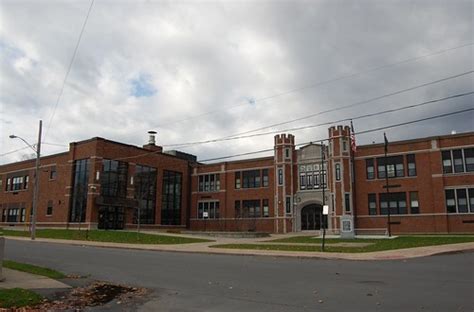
(201, 70)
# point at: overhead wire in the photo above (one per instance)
(356, 133)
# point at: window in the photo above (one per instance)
(344, 145)
(114, 178)
(265, 177)
(287, 153)
(457, 161)
(52, 173)
(393, 165)
(251, 209)
(209, 183)
(369, 164)
(145, 183)
(17, 182)
(280, 176)
(372, 204)
(265, 208)
(79, 191)
(471, 199)
(208, 210)
(411, 163)
(447, 162)
(171, 198)
(347, 199)
(22, 214)
(338, 172)
(13, 215)
(462, 200)
(49, 209)
(469, 159)
(302, 181)
(238, 212)
(414, 204)
(396, 202)
(251, 179)
(288, 205)
(237, 180)
(450, 201)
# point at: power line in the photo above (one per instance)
(354, 104)
(320, 83)
(322, 124)
(357, 133)
(69, 68)
(14, 151)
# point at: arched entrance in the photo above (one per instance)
(311, 217)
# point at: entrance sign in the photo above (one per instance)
(325, 210)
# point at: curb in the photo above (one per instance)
(398, 254)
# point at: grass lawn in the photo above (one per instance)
(305, 243)
(18, 297)
(107, 236)
(29, 268)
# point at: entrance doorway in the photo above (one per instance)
(311, 217)
(111, 218)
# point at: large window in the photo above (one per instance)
(369, 164)
(171, 203)
(208, 210)
(394, 167)
(372, 204)
(251, 179)
(396, 202)
(113, 180)
(460, 200)
(17, 182)
(458, 160)
(288, 205)
(411, 164)
(49, 208)
(280, 176)
(265, 208)
(79, 192)
(312, 176)
(209, 183)
(248, 209)
(145, 193)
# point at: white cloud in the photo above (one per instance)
(212, 59)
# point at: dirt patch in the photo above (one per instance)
(96, 294)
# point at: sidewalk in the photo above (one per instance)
(18, 279)
(397, 254)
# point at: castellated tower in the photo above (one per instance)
(285, 188)
(340, 179)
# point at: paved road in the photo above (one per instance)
(200, 282)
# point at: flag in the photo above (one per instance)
(353, 139)
(386, 142)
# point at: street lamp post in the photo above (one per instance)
(36, 188)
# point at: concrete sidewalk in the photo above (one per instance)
(207, 248)
(18, 279)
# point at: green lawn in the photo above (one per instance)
(305, 243)
(107, 236)
(18, 297)
(29, 268)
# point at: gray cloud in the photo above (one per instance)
(215, 56)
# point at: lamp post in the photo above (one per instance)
(36, 189)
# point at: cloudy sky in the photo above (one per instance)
(200, 70)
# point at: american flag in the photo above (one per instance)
(353, 139)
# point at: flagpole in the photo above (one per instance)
(354, 196)
(386, 186)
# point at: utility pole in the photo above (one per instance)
(387, 186)
(323, 182)
(37, 179)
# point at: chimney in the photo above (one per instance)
(151, 146)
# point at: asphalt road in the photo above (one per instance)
(200, 282)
